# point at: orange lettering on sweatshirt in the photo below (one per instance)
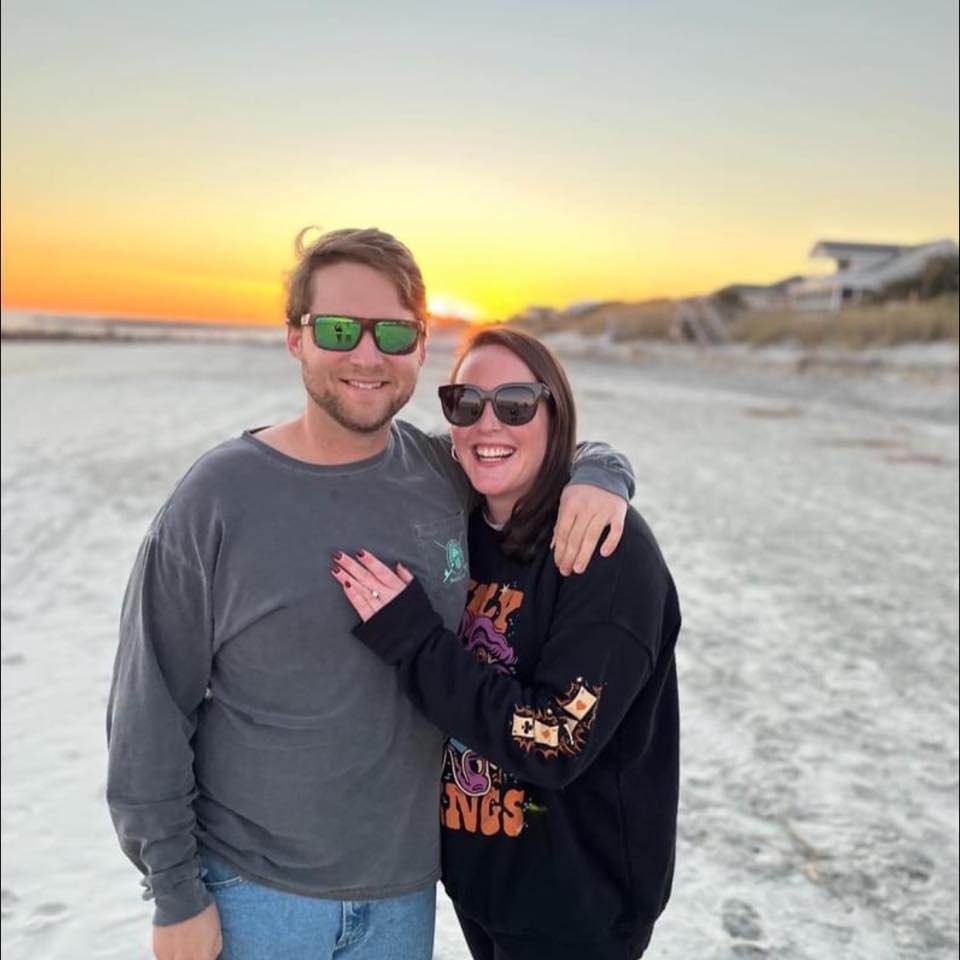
(490, 814)
(494, 601)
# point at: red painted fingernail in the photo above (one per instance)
(361, 553)
(347, 584)
(336, 570)
(337, 554)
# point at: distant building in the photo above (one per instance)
(760, 296)
(862, 269)
(582, 307)
(534, 315)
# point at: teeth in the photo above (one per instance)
(493, 453)
(362, 385)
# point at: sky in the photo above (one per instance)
(159, 159)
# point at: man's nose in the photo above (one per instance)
(367, 351)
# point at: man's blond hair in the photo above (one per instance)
(367, 246)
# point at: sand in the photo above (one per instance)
(812, 530)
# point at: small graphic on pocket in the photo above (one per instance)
(456, 563)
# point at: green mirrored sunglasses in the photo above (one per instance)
(337, 332)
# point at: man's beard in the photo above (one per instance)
(337, 411)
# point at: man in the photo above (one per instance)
(266, 774)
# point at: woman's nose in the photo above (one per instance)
(488, 419)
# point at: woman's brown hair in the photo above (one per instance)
(534, 514)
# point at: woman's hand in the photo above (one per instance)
(367, 583)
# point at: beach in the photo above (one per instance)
(810, 521)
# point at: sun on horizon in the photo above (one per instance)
(450, 307)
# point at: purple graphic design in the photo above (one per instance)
(482, 639)
(471, 772)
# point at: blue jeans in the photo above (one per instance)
(261, 923)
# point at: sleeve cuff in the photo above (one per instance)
(398, 628)
(612, 481)
(181, 902)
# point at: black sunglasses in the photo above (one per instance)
(337, 332)
(513, 403)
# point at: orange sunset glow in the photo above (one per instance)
(149, 173)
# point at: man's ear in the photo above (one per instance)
(422, 351)
(295, 341)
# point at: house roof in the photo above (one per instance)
(845, 248)
(907, 261)
(786, 281)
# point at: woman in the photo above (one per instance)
(559, 794)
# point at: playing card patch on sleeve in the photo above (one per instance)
(559, 729)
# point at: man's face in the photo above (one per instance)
(361, 389)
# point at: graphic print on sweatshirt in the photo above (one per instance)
(477, 795)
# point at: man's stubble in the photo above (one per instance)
(331, 404)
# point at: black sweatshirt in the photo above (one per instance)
(559, 793)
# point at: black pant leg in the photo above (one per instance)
(492, 945)
(479, 943)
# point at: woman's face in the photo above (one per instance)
(501, 461)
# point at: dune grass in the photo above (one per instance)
(885, 324)
(880, 325)
(651, 319)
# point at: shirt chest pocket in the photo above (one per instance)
(443, 559)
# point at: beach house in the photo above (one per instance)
(862, 270)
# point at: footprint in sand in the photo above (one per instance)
(8, 903)
(777, 413)
(50, 909)
(742, 922)
(45, 916)
(748, 951)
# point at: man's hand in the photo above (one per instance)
(198, 938)
(584, 513)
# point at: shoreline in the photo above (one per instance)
(151, 335)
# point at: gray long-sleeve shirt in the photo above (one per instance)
(243, 714)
